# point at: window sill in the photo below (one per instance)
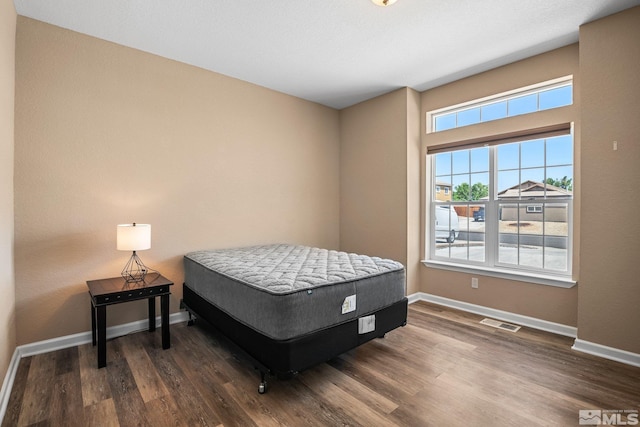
(539, 279)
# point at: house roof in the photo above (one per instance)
(533, 189)
(334, 52)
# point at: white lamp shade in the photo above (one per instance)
(134, 237)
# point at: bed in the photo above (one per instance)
(291, 307)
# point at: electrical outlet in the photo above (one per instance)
(474, 282)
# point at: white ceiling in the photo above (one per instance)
(334, 52)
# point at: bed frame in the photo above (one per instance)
(284, 358)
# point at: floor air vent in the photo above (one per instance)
(500, 325)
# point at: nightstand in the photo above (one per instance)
(115, 290)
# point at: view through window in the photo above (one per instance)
(509, 206)
(540, 97)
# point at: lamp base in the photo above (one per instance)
(134, 271)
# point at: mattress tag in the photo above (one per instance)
(349, 304)
(367, 324)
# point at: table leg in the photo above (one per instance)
(93, 324)
(152, 314)
(164, 313)
(102, 336)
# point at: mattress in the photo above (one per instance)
(286, 291)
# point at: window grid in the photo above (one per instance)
(450, 118)
(493, 239)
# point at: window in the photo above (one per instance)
(543, 96)
(437, 188)
(446, 190)
(511, 205)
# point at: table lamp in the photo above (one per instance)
(134, 237)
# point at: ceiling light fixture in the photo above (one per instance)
(383, 2)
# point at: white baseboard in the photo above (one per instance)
(7, 385)
(70, 341)
(610, 353)
(418, 296)
(531, 322)
(85, 337)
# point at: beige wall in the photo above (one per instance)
(544, 302)
(609, 300)
(107, 134)
(379, 194)
(7, 79)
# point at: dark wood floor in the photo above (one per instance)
(443, 368)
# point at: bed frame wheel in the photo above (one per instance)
(262, 388)
(192, 319)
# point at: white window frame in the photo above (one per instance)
(504, 96)
(491, 266)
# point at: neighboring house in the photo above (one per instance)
(533, 211)
(443, 191)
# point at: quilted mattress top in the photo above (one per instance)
(282, 269)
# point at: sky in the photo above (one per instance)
(534, 160)
(509, 107)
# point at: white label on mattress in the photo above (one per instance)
(367, 324)
(349, 304)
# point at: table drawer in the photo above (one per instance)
(131, 294)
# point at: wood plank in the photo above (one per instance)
(164, 411)
(368, 396)
(39, 390)
(149, 383)
(276, 406)
(390, 387)
(95, 384)
(260, 414)
(305, 404)
(217, 398)
(66, 402)
(102, 413)
(16, 398)
(395, 366)
(183, 391)
(126, 397)
(336, 396)
(66, 360)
